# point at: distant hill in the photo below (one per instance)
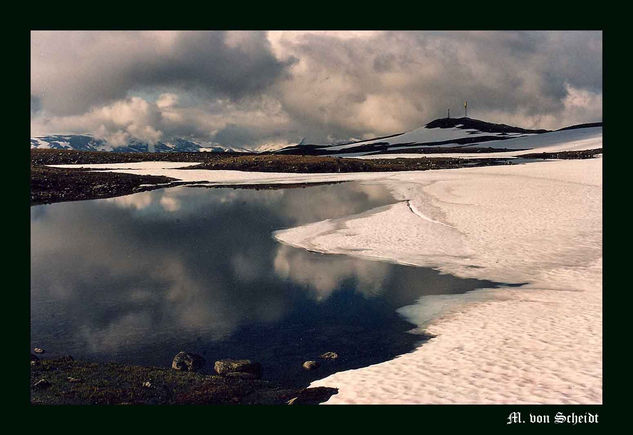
(450, 132)
(478, 125)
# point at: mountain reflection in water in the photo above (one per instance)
(138, 278)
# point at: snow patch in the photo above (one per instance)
(539, 224)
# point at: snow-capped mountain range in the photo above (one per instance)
(85, 142)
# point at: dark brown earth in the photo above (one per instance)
(66, 157)
(320, 164)
(564, 155)
(69, 382)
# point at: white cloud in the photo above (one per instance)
(167, 100)
(583, 103)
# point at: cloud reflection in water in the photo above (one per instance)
(140, 277)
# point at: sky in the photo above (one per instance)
(263, 90)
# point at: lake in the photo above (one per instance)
(138, 278)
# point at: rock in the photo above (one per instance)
(243, 368)
(313, 396)
(38, 350)
(311, 365)
(185, 361)
(329, 355)
(41, 384)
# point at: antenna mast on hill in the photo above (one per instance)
(465, 109)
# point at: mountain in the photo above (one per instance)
(84, 142)
(443, 132)
(463, 133)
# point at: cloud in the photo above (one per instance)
(125, 119)
(272, 88)
(167, 100)
(394, 81)
(74, 71)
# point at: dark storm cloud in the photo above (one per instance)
(73, 71)
(208, 62)
(257, 88)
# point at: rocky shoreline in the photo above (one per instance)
(64, 381)
(49, 185)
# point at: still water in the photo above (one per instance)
(136, 279)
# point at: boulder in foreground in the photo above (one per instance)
(311, 365)
(185, 361)
(243, 368)
(329, 355)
